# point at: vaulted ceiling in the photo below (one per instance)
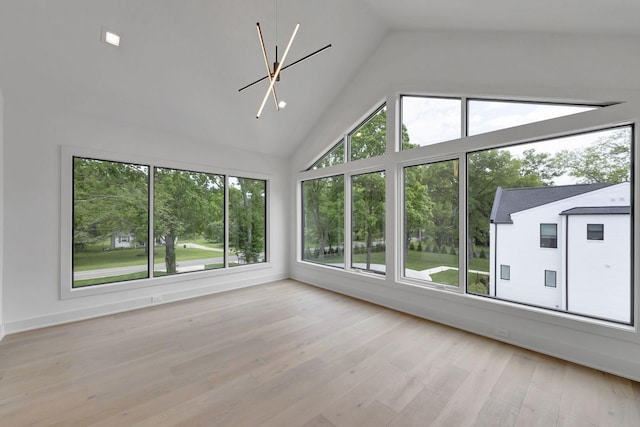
(181, 63)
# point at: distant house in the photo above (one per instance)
(563, 247)
(120, 240)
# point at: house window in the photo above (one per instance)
(188, 221)
(595, 231)
(548, 235)
(110, 205)
(367, 222)
(505, 272)
(110, 202)
(550, 278)
(431, 220)
(323, 221)
(247, 220)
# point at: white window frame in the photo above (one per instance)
(67, 153)
(613, 115)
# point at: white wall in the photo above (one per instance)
(497, 65)
(1, 211)
(36, 129)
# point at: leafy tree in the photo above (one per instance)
(333, 157)
(546, 166)
(108, 197)
(608, 160)
(368, 195)
(323, 213)
(488, 170)
(370, 139)
(185, 203)
(247, 216)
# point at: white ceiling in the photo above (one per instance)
(181, 63)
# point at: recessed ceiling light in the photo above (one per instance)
(110, 38)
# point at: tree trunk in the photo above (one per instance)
(170, 253)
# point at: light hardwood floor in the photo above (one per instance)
(288, 354)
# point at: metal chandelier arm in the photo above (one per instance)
(266, 63)
(277, 71)
(284, 68)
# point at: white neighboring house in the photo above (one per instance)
(122, 240)
(564, 247)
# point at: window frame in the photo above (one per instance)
(505, 272)
(553, 240)
(67, 154)
(613, 116)
(547, 275)
(599, 232)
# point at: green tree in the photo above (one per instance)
(184, 204)
(608, 160)
(247, 218)
(370, 139)
(546, 166)
(368, 195)
(323, 213)
(108, 197)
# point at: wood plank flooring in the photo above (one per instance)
(289, 354)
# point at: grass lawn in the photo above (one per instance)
(415, 260)
(109, 279)
(94, 257)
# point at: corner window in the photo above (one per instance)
(323, 221)
(595, 231)
(550, 278)
(505, 272)
(548, 235)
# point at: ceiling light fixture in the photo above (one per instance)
(110, 38)
(274, 75)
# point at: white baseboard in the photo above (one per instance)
(134, 304)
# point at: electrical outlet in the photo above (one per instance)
(503, 332)
(156, 298)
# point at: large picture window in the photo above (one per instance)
(431, 250)
(323, 220)
(524, 199)
(110, 222)
(188, 223)
(114, 204)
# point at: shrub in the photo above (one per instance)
(419, 248)
(412, 247)
(452, 251)
(482, 254)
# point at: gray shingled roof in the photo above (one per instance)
(598, 210)
(510, 200)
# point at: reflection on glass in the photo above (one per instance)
(110, 221)
(487, 116)
(431, 249)
(370, 138)
(323, 220)
(529, 207)
(247, 220)
(367, 222)
(188, 221)
(427, 121)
